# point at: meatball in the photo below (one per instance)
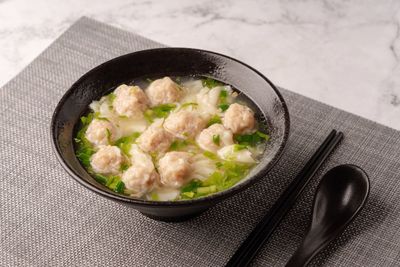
(174, 168)
(107, 160)
(239, 119)
(155, 139)
(184, 124)
(140, 179)
(100, 132)
(163, 91)
(215, 137)
(129, 101)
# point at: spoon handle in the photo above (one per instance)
(304, 253)
(299, 259)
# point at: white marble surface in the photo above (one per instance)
(344, 53)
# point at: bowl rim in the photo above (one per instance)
(215, 197)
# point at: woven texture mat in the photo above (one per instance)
(48, 219)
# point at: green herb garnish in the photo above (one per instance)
(154, 196)
(101, 179)
(111, 97)
(223, 95)
(211, 83)
(124, 167)
(163, 110)
(189, 104)
(84, 149)
(210, 155)
(187, 195)
(108, 133)
(119, 187)
(125, 143)
(160, 111)
(223, 107)
(206, 190)
(188, 191)
(227, 175)
(115, 184)
(216, 139)
(178, 145)
(237, 147)
(251, 139)
(214, 119)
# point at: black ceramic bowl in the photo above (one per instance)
(256, 89)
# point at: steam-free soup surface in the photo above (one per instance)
(170, 139)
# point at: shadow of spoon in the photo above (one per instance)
(339, 197)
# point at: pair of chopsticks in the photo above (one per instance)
(264, 229)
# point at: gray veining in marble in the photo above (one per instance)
(344, 53)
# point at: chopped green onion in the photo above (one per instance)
(148, 115)
(191, 186)
(178, 145)
(223, 107)
(115, 184)
(125, 143)
(88, 119)
(237, 147)
(263, 135)
(101, 179)
(214, 119)
(154, 196)
(188, 190)
(251, 139)
(219, 164)
(84, 149)
(108, 133)
(210, 83)
(111, 97)
(216, 139)
(154, 156)
(210, 155)
(124, 167)
(160, 111)
(223, 94)
(207, 190)
(188, 194)
(119, 187)
(189, 104)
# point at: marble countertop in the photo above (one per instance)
(344, 53)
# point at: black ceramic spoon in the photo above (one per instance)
(339, 197)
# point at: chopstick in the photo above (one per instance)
(264, 229)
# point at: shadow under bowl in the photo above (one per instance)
(256, 89)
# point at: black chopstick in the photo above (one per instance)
(264, 229)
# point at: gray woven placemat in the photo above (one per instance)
(47, 219)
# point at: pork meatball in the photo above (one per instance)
(163, 91)
(184, 124)
(130, 101)
(139, 179)
(174, 168)
(155, 139)
(107, 160)
(215, 137)
(239, 119)
(100, 132)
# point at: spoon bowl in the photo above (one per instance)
(339, 197)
